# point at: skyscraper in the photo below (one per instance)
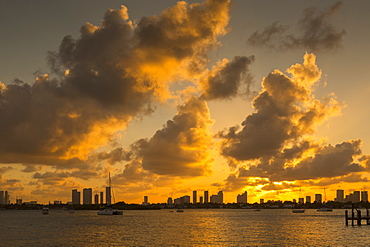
(96, 198)
(101, 197)
(220, 197)
(87, 196)
(6, 198)
(340, 196)
(145, 202)
(243, 198)
(356, 196)
(364, 196)
(76, 197)
(108, 197)
(2, 198)
(194, 197)
(308, 199)
(206, 197)
(318, 198)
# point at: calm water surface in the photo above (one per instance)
(193, 227)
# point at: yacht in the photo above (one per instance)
(108, 210)
(324, 210)
(298, 210)
(45, 210)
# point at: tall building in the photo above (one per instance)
(301, 200)
(145, 202)
(76, 198)
(6, 198)
(2, 198)
(108, 197)
(262, 201)
(318, 198)
(356, 196)
(243, 198)
(101, 197)
(206, 197)
(201, 199)
(220, 195)
(340, 196)
(308, 199)
(194, 197)
(87, 196)
(169, 201)
(364, 196)
(96, 198)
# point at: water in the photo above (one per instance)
(193, 227)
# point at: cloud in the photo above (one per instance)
(285, 111)
(274, 143)
(182, 147)
(109, 75)
(316, 33)
(224, 81)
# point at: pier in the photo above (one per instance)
(356, 216)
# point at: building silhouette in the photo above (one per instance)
(108, 196)
(318, 198)
(308, 199)
(194, 197)
(145, 202)
(243, 198)
(76, 197)
(340, 196)
(364, 196)
(96, 198)
(219, 198)
(206, 198)
(87, 196)
(101, 197)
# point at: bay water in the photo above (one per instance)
(193, 227)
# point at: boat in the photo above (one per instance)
(324, 210)
(108, 210)
(179, 210)
(45, 210)
(299, 210)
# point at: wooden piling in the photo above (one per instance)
(346, 217)
(359, 217)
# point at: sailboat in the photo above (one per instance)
(108, 210)
(298, 210)
(324, 208)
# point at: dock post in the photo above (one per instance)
(353, 216)
(346, 217)
(358, 217)
(367, 216)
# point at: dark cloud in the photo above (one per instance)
(274, 142)
(182, 147)
(316, 33)
(285, 111)
(226, 81)
(109, 75)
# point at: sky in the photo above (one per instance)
(268, 97)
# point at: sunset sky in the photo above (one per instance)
(269, 97)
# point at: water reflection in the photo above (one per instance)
(201, 227)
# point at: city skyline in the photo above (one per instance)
(169, 97)
(87, 198)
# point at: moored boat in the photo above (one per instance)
(45, 210)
